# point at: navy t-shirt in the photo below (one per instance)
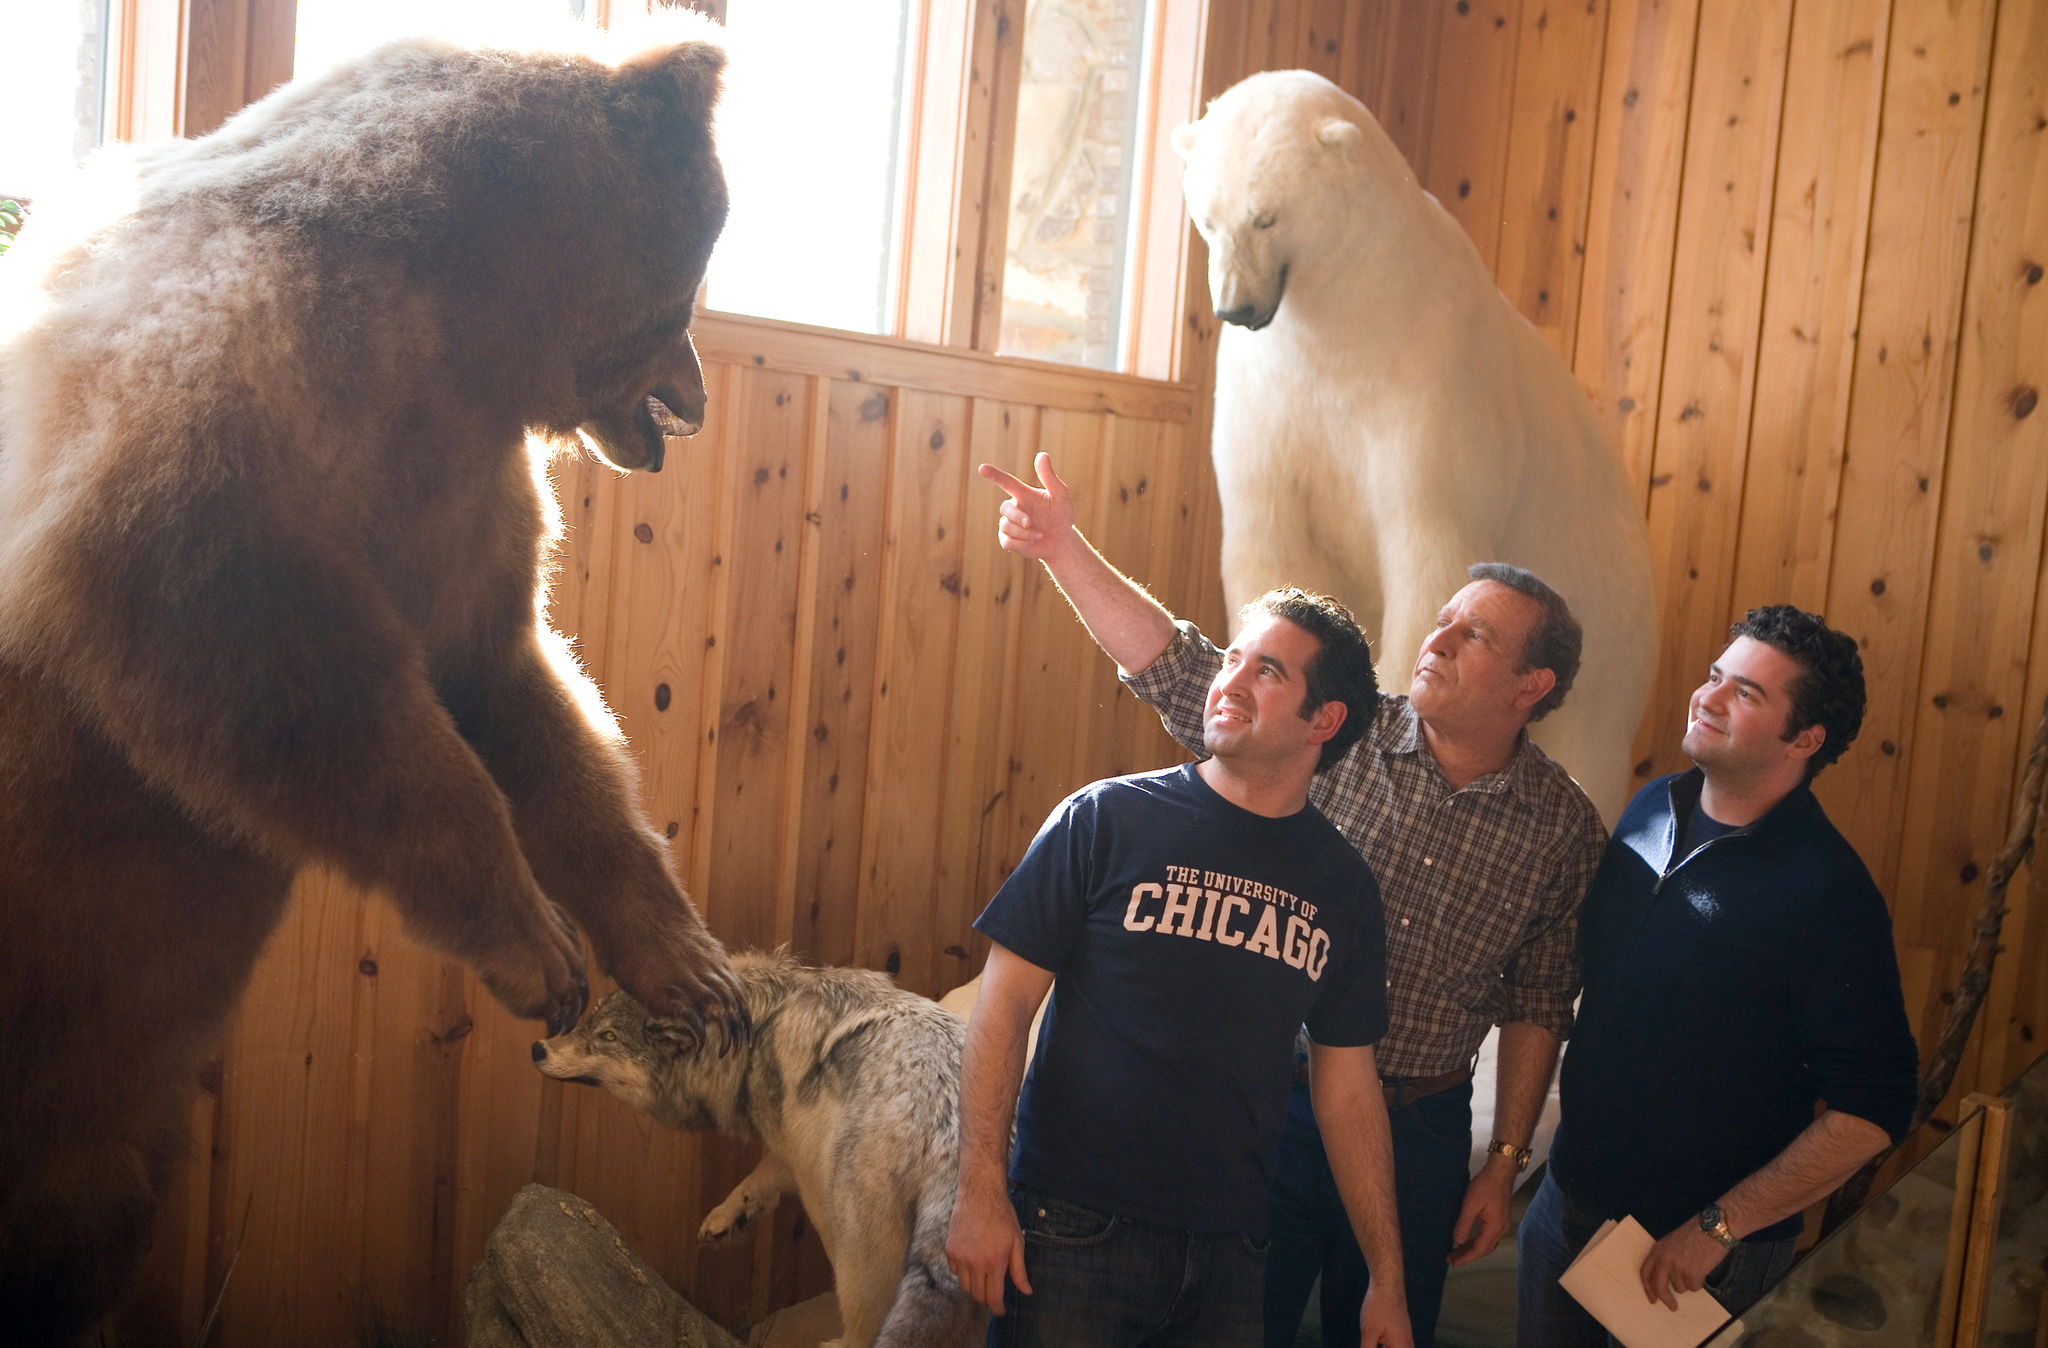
(1191, 938)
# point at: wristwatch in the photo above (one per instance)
(1519, 1155)
(1715, 1225)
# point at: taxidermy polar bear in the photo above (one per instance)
(270, 540)
(1384, 418)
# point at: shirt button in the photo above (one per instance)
(1404, 921)
(1429, 861)
(1390, 982)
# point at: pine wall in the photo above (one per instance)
(1793, 251)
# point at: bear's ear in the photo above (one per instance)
(1184, 138)
(682, 80)
(1339, 134)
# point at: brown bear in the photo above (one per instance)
(270, 541)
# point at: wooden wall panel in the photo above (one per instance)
(1899, 411)
(1717, 290)
(1827, 158)
(1545, 197)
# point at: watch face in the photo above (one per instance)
(1710, 1216)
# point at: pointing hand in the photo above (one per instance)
(1037, 522)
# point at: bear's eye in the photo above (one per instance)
(1265, 221)
(609, 1036)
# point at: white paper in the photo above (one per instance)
(1606, 1279)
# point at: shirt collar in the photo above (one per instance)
(1522, 778)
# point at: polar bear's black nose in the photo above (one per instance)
(540, 1050)
(1241, 315)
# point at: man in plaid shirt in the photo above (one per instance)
(1483, 848)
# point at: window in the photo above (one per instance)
(54, 71)
(810, 132)
(1078, 107)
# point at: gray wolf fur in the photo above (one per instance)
(853, 1085)
(270, 540)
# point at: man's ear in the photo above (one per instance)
(1807, 742)
(1533, 686)
(1326, 721)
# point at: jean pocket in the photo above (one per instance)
(1257, 1249)
(1053, 1221)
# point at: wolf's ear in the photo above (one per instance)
(677, 1038)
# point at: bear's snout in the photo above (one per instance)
(540, 1051)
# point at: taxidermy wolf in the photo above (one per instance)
(853, 1085)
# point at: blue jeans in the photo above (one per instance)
(1557, 1228)
(1312, 1234)
(1101, 1281)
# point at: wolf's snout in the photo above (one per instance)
(540, 1051)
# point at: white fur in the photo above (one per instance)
(1395, 419)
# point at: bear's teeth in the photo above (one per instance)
(670, 423)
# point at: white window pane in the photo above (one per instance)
(810, 133)
(1070, 184)
(52, 64)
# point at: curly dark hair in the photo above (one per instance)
(1828, 691)
(1553, 643)
(1341, 671)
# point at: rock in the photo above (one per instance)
(555, 1274)
(1849, 1301)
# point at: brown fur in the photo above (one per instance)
(269, 546)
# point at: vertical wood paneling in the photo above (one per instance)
(771, 428)
(1703, 420)
(1826, 160)
(913, 693)
(846, 623)
(1989, 542)
(1632, 224)
(1544, 199)
(1466, 164)
(1899, 411)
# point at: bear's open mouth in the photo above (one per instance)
(584, 1081)
(656, 419)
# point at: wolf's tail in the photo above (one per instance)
(931, 1309)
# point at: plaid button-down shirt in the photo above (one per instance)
(1480, 885)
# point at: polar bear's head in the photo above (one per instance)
(1276, 172)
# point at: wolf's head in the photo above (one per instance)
(670, 1070)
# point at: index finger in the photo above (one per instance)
(1010, 483)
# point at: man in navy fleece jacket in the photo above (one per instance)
(1738, 970)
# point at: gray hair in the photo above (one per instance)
(1554, 643)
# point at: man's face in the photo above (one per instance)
(1468, 668)
(1254, 707)
(1736, 720)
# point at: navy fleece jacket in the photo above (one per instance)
(1726, 992)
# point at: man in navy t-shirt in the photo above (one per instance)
(1195, 917)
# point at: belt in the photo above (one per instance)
(1402, 1091)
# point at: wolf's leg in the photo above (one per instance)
(752, 1197)
(931, 1309)
(865, 1271)
(541, 728)
(268, 683)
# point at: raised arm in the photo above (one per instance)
(1038, 522)
(1351, 1113)
(985, 1241)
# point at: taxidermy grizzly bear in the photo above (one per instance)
(270, 538)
